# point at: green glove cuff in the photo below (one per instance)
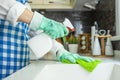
(36, 21)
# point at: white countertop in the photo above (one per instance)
(29, 72)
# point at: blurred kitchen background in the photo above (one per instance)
(83, 14)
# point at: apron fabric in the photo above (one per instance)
(22, 1)
(14, 51)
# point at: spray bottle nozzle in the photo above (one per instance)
(69, 25)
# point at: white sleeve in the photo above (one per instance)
(11, 10)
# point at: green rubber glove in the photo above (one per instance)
(53, 28)
(72, 57)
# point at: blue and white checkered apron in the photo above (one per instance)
(14, 51)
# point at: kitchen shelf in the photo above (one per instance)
(52, 4)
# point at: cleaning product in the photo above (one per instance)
(40, 44)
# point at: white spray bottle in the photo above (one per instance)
(40, 43)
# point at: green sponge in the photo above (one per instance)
(89, 66)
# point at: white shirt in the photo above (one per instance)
(10, 10)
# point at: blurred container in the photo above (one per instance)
(78, 28)
(96, 47)
(92, 37)
(108, 47)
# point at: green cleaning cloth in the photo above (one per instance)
(89, 66)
